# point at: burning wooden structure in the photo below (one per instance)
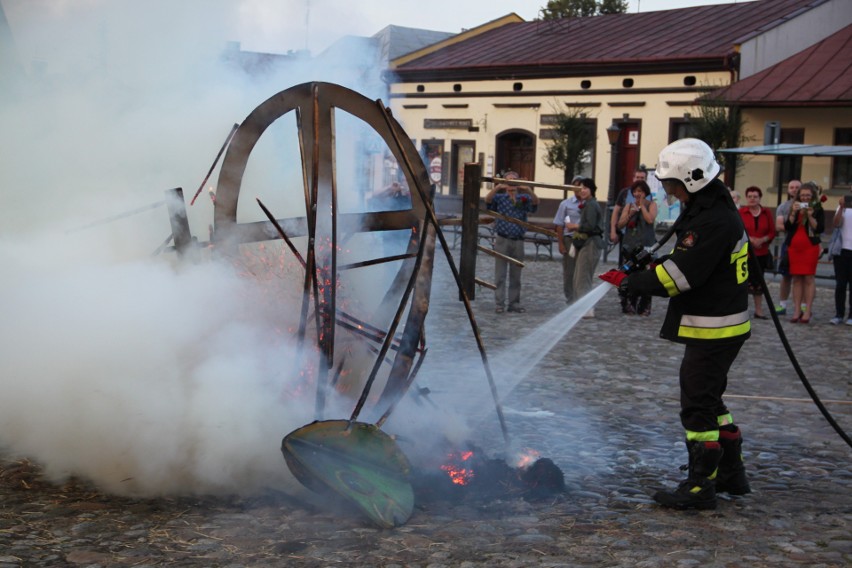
(351, 457)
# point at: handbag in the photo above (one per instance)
(836, 244)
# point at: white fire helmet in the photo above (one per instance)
(690, 161)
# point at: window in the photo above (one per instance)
(463, 152)
(680, 128)
(790, 167)
(588, 159)
(432, 152)
(841, 168)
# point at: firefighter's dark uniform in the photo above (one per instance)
(706, 279)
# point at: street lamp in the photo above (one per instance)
(613, 132)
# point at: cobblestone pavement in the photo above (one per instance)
(602, 404)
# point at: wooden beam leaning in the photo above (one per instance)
(499, 255)
(470, 230)
(565, 188)
(178, 220)
(524, 224)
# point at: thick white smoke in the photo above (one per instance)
(143, 376)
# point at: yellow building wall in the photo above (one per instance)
(818, 125)
(548, 96)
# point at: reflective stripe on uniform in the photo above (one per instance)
(708, 436)
(740, 249)
(739, 258)
(714, 327)
(672, 278)
(725, 419)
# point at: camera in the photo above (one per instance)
(804, 206)
(847, 200)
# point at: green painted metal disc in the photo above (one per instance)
(357, 461)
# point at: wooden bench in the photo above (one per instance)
(540, 241)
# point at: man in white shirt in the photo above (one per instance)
(568, 212)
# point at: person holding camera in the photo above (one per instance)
(843, 261)
(514, 201)
(636, 224)
(706, 280)
(781, 214)
(804, 225)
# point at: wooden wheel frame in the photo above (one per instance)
(314, 105)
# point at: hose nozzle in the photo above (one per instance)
(637, 259)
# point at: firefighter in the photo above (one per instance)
(706, 279)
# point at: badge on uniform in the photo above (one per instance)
(688, 240)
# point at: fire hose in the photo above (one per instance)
(639, 259)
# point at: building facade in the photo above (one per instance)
(490, 94)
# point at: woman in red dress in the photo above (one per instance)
(804, 226)
(760, 226)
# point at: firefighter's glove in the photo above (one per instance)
(615, 277)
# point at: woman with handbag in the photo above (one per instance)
(760, 227)
(842, 259)
(804, 226)
(637, 225)
(587, 242)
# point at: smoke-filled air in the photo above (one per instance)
(148, 374)
(121, 365)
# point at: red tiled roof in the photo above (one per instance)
(688, 34)
(821, 75)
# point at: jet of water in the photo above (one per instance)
(510, 370)
(467, 394)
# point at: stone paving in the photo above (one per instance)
(602, 404)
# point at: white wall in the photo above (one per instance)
(796, 34)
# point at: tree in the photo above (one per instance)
(572, 139)
(558, 9)
(612, 7)
(720, 125)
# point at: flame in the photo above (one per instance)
(459, 475)
(527, 458)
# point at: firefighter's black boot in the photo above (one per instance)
(732, 475)
(699, 489)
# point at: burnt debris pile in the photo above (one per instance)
(470, 475)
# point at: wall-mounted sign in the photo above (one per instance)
(448, 123)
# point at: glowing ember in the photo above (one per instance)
(459, 474)
(527, 457)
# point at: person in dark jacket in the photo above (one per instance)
(706, 278)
